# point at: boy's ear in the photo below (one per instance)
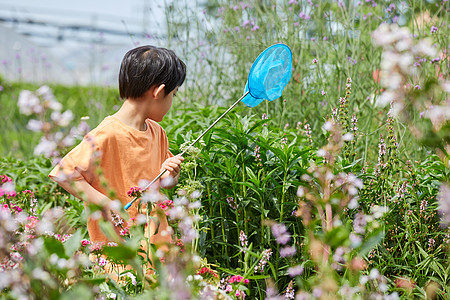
(158, 91)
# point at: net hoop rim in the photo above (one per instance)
(259, 57)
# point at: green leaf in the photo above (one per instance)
(55, 247)
(73, 243)
(120, 252)
(337, 236)
(371, 242)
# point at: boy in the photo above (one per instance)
(129, 145)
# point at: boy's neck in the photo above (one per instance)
(132, 114)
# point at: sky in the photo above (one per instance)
(63, 48)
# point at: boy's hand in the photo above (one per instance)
(173, 167)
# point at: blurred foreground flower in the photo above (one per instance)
(50, 120)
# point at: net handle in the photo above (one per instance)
(128, 205)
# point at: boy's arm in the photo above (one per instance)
(173, 167)
(82, 190)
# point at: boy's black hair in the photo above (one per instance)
(146, 66)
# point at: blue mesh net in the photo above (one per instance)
(269, 74)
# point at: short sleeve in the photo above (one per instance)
(83, 159)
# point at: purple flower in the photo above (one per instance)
(353, 61)
(295, 271)
(264, 259)
(423, 205)
(431, 243)
(256, 27)
(288, 251)
(323, 93)
(304, 16)
(417, 87)
(280, 233)
(243, 239)
(433, 29)
(435, 60)
(314, 61)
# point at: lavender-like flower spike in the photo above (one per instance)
(243, 240)
(264, 259)
(288, 251)
(280, 233)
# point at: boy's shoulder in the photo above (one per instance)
(111, 127)
(106, 127)
(154, 125)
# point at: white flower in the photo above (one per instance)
(167, 181)
(40, 274)
(61, 263)
(150, 196)
(327, 126)
(141, 219)
(386, 98)
(374, 274)
(300, 192)
(352, 204)
(445, 85)
(393, 81)
(35, 125)
(196, 194)
(44, 226)
(379, 211)
(45, 91)
(195, 205)
(198, 277)
(424, 47)
(45, 147)
(348, 137)
(63, 119)
(321, 152)
(27, 100)
(68, 141)
(403, 45)
(405, 61)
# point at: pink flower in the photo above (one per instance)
(240, 294)
(229, 288)
(102, 262)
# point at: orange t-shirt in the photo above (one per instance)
(125, 156)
